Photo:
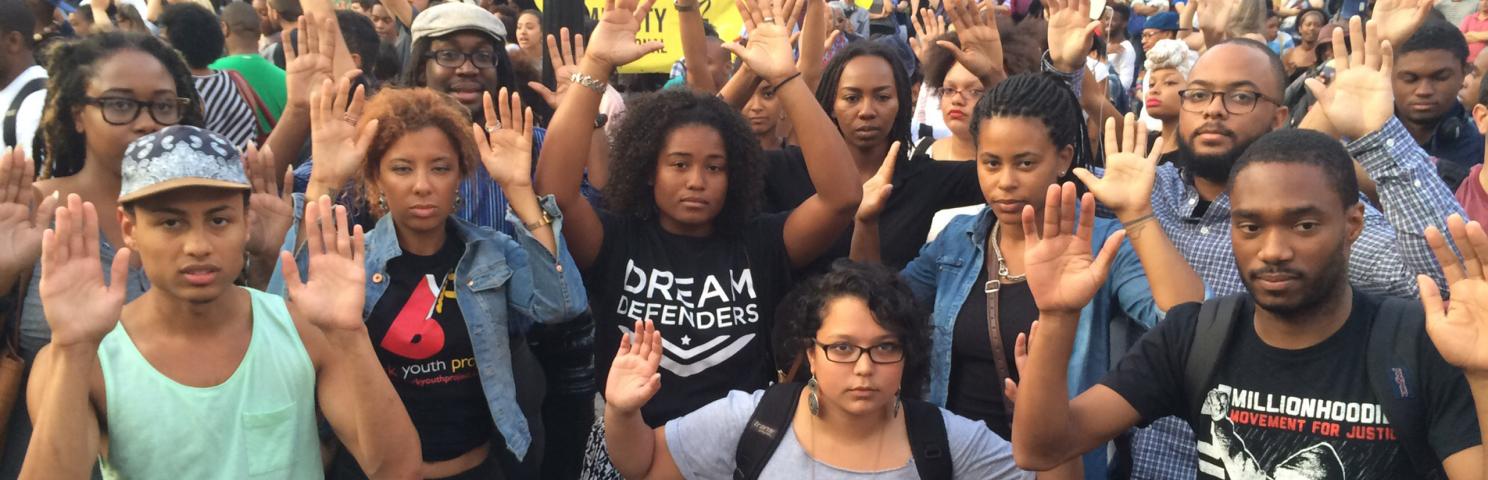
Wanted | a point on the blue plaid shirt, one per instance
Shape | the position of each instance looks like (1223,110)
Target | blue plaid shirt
(1384,260)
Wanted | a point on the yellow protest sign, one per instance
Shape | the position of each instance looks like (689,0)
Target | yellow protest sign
(661,24)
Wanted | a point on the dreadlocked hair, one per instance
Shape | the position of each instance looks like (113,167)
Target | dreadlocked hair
(642,135)
(826,94)
(1043,97)
(59,149)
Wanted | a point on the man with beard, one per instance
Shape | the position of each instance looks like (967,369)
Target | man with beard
(1285,395)
(1232,99)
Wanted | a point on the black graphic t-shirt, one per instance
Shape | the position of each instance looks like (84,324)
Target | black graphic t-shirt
(1308,413)
(423,344)
(922,186)
(712,300)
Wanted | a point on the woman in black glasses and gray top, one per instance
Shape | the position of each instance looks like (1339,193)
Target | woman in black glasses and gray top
(865,342)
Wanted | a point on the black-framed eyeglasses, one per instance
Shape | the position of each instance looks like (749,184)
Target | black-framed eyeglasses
(1237,102)
(882,353)
(972,94)
(455,59)
(123,111)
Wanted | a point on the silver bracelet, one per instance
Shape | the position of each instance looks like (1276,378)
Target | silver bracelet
(587,82)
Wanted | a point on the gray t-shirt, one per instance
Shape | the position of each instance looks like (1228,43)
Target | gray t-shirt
(703,444)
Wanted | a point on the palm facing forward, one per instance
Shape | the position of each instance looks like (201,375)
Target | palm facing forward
(633,378)
(1061,273)
(333,296)
(80,308)
(1460,331)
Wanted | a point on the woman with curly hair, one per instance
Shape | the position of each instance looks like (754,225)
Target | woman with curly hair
(448,302)
(864,338)
(680,239)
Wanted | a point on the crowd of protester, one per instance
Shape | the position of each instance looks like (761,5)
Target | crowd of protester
(1214,239)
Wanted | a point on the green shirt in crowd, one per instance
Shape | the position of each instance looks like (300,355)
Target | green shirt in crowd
(266,79)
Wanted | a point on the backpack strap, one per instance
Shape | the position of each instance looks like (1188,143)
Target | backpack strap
(923,147)
(15,108)
(1393,362)
(1217,319)
(767,426)
(927,439)
(265,118)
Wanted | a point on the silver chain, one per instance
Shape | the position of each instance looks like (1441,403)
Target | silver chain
(1002,270)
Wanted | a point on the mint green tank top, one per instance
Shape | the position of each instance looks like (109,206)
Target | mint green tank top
(260,423)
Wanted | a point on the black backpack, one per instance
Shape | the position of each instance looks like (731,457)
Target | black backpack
(1392,362)
(772,417)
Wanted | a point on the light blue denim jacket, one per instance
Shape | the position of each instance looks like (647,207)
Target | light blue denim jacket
(500,280)
(947,268)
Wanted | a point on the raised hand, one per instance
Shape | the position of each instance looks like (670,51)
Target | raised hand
(1130,171)
(633,376)
(769,52)
(1070,33)
(1020,358)
(565,63)
(271,205)
(309,62)
(928,26)
(1360,99)
(20,224)
(1460,331)
(1398,19)
(1061,273)
(338,145)
(506,145)
(981,44)
(877,189)
(81,309)
(613,42)
(1214,16)
(333,297)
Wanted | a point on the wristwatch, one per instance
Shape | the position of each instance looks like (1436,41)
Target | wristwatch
(541,222)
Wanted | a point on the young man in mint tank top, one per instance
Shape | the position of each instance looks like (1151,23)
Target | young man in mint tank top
(199,378)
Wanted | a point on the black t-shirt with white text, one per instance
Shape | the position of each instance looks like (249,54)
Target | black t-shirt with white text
(712,299)
(1308,413)
(424,346)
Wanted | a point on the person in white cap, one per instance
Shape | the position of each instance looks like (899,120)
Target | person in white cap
(199,378)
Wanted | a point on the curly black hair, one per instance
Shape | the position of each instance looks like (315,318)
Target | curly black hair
(194,31)
(826,93)
(642,135)
(59,148)
(888,297)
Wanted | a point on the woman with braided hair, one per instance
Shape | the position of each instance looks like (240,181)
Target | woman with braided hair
(1027,132)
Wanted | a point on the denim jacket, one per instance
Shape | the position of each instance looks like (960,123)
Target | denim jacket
(500,280)
(947,268)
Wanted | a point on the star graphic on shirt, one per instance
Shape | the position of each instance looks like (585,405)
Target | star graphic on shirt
(686,340)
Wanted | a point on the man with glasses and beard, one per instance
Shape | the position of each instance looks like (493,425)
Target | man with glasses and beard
(1231,100)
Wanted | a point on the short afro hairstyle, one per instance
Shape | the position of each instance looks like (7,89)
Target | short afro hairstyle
(1304,147)
(893,304)
(1436,34)
(194,31)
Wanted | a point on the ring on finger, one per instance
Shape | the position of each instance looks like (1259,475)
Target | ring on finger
(350,120)
(769,19)
(494,126)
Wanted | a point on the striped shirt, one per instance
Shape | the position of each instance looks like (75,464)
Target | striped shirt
(226,111)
